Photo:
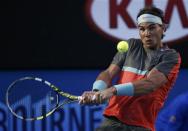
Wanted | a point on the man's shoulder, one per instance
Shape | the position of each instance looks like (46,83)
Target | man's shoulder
(134,43)
(168,50)
(170,53)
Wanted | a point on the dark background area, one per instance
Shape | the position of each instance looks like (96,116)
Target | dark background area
(54,35)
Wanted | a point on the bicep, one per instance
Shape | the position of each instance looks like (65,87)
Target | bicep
(156,77)
(113,70)
(108,74)
(153,80)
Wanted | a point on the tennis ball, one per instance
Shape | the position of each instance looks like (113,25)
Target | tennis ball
(122,46)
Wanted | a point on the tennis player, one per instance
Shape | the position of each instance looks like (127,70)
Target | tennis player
(147,71)
(175,116)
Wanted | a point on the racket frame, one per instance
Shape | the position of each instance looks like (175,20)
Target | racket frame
(70,98)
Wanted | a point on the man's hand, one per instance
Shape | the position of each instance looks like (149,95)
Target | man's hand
(87,97)
(102,96)
(99,97)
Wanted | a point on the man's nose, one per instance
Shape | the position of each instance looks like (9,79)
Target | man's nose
(147,32)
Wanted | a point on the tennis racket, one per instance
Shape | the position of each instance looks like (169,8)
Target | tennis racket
(32,98)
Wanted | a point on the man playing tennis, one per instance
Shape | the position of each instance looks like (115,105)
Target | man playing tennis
(147,71)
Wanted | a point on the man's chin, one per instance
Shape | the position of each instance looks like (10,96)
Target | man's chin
(149,46)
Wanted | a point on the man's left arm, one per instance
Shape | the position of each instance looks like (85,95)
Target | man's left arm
(154,80)
(165,71)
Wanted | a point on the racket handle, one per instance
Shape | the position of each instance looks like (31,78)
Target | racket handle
(93,97)
(79,98)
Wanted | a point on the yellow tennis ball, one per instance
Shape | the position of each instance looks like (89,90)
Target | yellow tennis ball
(122,46)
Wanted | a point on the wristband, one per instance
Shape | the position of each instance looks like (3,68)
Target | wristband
(126,89)
(99,85)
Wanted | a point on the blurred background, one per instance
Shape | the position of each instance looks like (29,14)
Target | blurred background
(68,43)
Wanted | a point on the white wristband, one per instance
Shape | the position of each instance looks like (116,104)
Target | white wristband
(99,85)
(126,89)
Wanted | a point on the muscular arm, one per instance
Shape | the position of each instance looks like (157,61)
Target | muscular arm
(154,80)
(108,75)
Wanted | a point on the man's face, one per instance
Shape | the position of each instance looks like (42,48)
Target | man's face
(150,35)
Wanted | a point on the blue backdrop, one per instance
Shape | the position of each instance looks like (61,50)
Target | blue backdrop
(74,117)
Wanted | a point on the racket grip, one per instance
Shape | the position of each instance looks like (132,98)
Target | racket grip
(79,98)
(93,97)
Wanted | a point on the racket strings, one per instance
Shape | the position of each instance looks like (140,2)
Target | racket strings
(35,98)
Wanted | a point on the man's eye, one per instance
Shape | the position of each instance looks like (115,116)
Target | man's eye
(141,29)
(152,28)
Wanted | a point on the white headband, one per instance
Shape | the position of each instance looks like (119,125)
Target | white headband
(149,18)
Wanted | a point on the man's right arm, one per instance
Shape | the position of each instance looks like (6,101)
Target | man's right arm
(108,74)
(106,77)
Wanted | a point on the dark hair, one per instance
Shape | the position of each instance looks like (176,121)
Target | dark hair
(152,10)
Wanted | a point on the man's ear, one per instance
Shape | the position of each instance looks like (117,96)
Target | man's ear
(164,26)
